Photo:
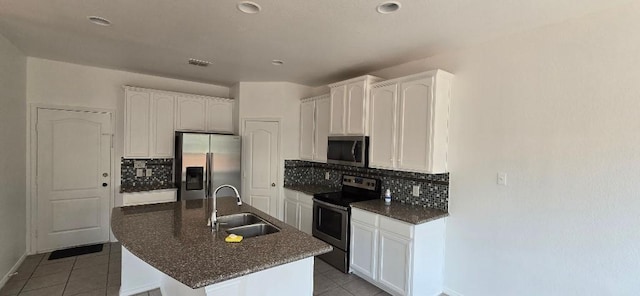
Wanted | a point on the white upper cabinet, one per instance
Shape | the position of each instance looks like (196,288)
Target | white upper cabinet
(350,106)
(153,116)
(307,122)
(409,125)
(356,108)
(204,114)
(162,129)
(137,121)
(314,128)
(338,107)
(322,129)
(382,134)
(220,115)
(191,113)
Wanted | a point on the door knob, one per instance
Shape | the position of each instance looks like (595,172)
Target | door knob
(273,184)
(105,175)
(105,184)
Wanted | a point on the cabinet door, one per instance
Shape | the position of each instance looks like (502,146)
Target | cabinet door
(137,120)
(322,130)
(291,212)
(162,126)
(364,243)
(191,113)
(220,115)
(415,119)
(356,112)
(305,217)
(394,261)
(382,134)
(307,113)
(338,107)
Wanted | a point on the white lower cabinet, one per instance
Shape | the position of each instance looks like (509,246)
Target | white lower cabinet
(400,258)
(298,210)
(364,244)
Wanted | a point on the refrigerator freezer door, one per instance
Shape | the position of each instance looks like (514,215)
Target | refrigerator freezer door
(195,171)
(225,163)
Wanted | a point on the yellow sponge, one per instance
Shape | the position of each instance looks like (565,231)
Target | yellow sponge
(232,238)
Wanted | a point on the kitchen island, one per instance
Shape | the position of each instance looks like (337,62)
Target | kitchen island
(170,246)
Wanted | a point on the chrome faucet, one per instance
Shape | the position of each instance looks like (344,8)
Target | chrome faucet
(213,222)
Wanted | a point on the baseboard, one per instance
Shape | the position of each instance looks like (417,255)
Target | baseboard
(13,269)
(140,289)
(451,292)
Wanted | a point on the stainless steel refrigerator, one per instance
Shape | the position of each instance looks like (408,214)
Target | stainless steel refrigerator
(204,162)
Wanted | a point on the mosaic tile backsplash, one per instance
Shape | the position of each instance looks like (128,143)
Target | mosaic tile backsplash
(161,177)
(434,188)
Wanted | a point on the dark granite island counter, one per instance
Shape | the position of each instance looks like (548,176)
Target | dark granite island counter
(170,246)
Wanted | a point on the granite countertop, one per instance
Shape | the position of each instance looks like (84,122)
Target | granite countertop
(142,188)
(174,238)
(313,188)
(401,211)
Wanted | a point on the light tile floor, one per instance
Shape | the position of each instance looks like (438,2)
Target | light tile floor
(328,281)
(98,274)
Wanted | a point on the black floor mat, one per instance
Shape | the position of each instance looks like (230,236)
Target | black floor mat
(70,252)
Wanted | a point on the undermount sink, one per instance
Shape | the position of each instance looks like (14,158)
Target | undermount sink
(253,230)
(246,224)
(241,219)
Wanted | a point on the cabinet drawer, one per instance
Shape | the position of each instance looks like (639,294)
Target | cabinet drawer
(149,197)
(290,194)
(397,227)
(305,199)
(364,216)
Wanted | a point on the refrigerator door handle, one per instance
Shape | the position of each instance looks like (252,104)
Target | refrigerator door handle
(207,186)
(210,176)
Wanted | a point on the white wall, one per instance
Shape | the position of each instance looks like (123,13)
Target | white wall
(59,83)
(275,100)
(12,156)
(558,109)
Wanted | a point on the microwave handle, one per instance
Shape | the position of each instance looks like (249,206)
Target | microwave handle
(353,150)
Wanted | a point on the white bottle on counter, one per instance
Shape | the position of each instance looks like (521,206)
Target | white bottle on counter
(387,197)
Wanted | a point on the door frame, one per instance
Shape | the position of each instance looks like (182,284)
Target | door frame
(280,177)
(32,161)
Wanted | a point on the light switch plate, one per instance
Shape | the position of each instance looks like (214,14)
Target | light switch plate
(326,176)
(139,172)
(416,190)
(502,179)
(149,172)
(139,164)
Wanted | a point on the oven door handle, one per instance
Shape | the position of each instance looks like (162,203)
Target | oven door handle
(326,204)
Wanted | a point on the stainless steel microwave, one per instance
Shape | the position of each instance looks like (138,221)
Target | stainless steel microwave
(348,150)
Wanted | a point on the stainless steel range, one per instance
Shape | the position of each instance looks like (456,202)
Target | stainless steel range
(331,216)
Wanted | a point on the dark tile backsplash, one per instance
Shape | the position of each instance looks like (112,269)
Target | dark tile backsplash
(434,188)
(162,173)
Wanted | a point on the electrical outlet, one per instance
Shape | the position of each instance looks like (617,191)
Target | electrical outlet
(139,172)
(326,176)
(139,164)
(416,190)
(502,179)
(149,173)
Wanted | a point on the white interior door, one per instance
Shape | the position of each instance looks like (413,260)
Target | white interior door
(260,170)
(73,178)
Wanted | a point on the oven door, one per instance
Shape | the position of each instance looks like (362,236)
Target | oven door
(331,224)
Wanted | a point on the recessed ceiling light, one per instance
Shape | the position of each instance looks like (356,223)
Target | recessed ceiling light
(199,63)
(277,62)
(249,7)
(388,7)
(100,21)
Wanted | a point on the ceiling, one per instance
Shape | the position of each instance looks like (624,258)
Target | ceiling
(320,41)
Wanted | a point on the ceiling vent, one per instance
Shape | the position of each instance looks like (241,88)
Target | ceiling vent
(199,63)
